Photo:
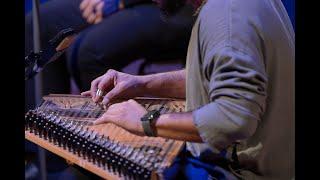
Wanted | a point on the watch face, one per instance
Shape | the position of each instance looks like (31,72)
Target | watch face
(150,116)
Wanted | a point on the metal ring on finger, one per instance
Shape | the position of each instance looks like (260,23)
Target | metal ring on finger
(99,93)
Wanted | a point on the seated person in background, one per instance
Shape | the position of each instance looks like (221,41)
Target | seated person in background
(118,32)
(239,88)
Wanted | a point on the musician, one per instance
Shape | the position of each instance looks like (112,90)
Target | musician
(239,88)
(117,32)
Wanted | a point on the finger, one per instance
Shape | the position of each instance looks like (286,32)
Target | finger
(91,18)
(114,93)
(99,12)
(97,20)
(99,8)
(94,87)
(84,4)
(104,85)
(89,9)
(86,93)
(104,119)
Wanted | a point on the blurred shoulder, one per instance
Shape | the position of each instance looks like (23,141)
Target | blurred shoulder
(243,8)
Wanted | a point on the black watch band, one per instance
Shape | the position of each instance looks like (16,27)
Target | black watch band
(148,122)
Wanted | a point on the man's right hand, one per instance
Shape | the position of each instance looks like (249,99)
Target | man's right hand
(116,84)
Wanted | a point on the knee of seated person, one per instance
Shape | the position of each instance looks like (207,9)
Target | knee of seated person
(88,58)
(80,56)
(86,66)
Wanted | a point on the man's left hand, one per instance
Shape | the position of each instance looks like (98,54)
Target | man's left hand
(127,115)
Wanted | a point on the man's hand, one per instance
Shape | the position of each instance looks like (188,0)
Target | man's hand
(94,10)
(126,115)
(116,84)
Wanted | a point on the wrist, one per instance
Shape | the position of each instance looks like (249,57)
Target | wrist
(145,84)
(148,122)
(160,122)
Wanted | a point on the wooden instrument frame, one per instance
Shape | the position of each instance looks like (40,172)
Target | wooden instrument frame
(84,163)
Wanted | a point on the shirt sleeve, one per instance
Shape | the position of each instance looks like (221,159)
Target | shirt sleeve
(237,92)
(233,64)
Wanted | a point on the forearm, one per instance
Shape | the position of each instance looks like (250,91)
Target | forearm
(177,126)
(169,84)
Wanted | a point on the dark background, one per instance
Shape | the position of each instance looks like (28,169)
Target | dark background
(302,14)
(289,4)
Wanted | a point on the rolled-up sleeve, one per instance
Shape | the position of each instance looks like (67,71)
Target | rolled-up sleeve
(237,85)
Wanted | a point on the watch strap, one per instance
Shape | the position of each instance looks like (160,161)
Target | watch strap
(148,129)
(148,122)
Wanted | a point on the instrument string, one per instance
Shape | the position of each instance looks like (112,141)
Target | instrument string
(150,152)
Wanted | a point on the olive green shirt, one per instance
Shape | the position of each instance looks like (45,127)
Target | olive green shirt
(240,84)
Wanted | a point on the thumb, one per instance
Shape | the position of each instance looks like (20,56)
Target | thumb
(103,119)
(86,93)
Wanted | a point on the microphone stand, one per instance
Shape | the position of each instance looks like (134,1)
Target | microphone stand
(38,79)
(38,59)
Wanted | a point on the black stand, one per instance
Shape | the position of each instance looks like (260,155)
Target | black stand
(38,79)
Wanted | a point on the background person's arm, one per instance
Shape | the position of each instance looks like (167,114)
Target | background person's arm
(95,10)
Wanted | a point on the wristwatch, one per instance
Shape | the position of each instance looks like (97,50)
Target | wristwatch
(148,122)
